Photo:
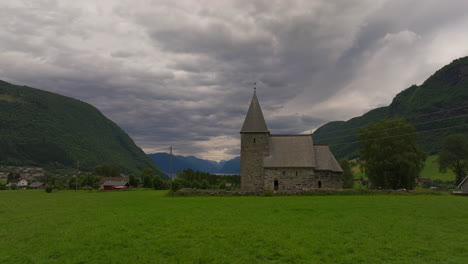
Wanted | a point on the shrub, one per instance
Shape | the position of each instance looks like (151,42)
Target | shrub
(49,188)
(13,186)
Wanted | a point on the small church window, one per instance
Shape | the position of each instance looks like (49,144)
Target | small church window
(276,184)
(319,185)
(284,173)
(254,140)
(296,173)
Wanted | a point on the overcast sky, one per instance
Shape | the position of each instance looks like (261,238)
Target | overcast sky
(181,72)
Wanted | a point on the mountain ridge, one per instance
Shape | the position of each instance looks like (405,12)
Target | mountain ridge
(42,128)
(443,96)
(162,160)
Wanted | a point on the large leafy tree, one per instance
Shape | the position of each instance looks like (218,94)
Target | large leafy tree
(392,158)
(348,179)
(454,156)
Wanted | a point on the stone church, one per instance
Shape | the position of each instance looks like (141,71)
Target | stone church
(283,162)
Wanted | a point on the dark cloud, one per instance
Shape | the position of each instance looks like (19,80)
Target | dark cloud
(181,72)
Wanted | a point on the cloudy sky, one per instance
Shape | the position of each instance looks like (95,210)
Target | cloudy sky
(181,72)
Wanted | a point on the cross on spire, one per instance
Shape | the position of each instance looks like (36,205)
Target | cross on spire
(254,121)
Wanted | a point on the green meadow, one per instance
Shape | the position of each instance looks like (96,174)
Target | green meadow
(430,170)
(146,226)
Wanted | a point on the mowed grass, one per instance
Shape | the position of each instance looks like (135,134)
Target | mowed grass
(148,227)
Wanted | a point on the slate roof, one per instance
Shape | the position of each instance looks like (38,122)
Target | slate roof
(36,184)
(325,160)
(114,183)
(254,121)
(104,179)
(290,151)
(298,151)
(462,182)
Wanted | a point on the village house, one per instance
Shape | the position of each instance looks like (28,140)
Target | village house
(283,162)
(116,179)
(115,185)
(464,185)
(18,182)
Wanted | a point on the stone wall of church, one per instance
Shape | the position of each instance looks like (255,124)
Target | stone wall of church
(254,146)
(329,179)
(286,179)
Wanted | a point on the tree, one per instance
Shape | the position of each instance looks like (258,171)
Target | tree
(348,179)
(392,159)
(205,184)
(12,176)
(49,188)
(89,180)
(178,183)
(73,183)
(133,180)
(158,183)
(147,176)
(454,156)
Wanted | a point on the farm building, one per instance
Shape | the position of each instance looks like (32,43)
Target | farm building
(18,182)
(104,179)
(283,162)
(464,185)
(37,185)
(115,185)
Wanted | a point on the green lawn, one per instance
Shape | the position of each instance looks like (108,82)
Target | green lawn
(148,227)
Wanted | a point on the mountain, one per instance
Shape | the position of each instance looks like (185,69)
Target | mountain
(182,162)
(231,166)
(436,108)
(45,129)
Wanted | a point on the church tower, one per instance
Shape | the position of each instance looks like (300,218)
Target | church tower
(254,147)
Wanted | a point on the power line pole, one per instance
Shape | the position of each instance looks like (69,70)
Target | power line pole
(170,166)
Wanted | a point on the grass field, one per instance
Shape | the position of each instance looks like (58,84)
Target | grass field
(431,170)
(148,227)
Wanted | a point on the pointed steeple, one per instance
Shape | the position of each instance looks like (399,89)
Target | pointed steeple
(254,121)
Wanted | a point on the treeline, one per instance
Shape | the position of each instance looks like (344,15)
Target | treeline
(185,179)
(202,180)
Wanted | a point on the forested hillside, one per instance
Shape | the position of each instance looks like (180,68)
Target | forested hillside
(45,129)
(436,108)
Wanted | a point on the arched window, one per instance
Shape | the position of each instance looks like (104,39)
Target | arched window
(254,140)
(296,173)
(276,184)
(319,185)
